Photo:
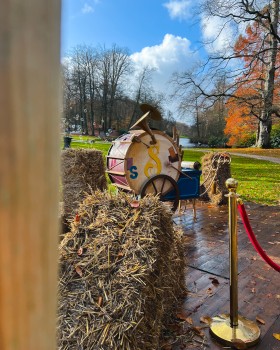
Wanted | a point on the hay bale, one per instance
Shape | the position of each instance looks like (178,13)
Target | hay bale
(121,272)
(215,172)
(82,171)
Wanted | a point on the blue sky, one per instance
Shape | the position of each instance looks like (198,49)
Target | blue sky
(163,34)
(133,24)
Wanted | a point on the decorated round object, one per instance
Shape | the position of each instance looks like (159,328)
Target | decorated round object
(132,159)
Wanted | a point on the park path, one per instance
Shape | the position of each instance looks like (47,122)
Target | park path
(269,159)
(266,158)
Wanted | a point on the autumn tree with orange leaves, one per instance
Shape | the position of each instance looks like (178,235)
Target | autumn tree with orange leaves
(249,66)
(240,125)
(249,99)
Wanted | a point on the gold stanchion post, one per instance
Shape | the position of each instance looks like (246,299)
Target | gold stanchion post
(233,329)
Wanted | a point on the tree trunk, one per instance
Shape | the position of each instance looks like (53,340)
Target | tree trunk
(263,140)
(197,120)
(264,133)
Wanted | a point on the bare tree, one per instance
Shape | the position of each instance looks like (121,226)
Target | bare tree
(91,64)
(98,86)
(79,77)
(114,65)
(68,96)
(143,88)
(208,113)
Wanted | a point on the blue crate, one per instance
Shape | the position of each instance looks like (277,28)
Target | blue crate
(188,185)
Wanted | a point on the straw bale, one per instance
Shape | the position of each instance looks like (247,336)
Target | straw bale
(215,171)
(121,272)
(82,171)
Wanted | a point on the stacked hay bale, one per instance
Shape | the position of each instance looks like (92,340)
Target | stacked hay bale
(121,272)
(82,171)
(215,172)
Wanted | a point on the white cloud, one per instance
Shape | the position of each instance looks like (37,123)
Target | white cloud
(66,60)
(172,55)
(218,35)
(87,8)
(178,9)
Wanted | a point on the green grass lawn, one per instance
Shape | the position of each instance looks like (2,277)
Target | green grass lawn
(83,137)
(259,181)
(88,142)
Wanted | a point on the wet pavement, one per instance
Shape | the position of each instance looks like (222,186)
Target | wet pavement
(207,274)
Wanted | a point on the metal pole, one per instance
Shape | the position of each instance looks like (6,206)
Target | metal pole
(232,328)
(233,250)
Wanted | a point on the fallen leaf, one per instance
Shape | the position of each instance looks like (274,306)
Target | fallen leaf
(261,278)
(175,327)
(184,318)
(239,344)
(276,336)
(214,280)
(206,319)
(271,242)
(253,290)
(181,317)
(79,271)
(198,331)
(260,320)
(77,218)
(80,251)
(254,258)
(277,296)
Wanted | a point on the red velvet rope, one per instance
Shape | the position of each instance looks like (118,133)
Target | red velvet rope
(253,239)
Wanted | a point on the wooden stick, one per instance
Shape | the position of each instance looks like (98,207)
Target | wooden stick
(29,172)
(172,166)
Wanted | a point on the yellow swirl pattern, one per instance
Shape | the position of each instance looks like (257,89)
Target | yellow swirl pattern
(153,167)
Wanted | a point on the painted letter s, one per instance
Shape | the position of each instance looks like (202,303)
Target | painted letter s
(133,172)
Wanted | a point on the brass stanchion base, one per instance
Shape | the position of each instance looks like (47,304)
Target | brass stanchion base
(246,332)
